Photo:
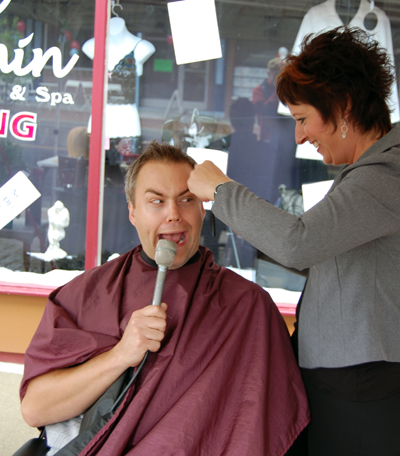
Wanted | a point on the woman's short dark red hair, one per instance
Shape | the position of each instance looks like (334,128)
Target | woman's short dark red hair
(338,70)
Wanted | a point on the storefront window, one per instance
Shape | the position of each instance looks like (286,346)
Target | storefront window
(45,105)
(227,104)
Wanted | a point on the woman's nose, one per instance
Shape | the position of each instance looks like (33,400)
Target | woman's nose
(299,134)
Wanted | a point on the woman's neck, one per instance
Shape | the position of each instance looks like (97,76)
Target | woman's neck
(364,142)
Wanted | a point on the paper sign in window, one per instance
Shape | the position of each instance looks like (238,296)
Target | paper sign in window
(218,157)
(314,193)
(194,30)
(15,196)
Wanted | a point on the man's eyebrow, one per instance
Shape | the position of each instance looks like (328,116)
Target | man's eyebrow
(155,192)
(184,191)
(151,190)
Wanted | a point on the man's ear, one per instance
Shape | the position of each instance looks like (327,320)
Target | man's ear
(203,211)
(131,210)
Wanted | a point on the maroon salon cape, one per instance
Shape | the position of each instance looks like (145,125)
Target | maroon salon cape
(225,381)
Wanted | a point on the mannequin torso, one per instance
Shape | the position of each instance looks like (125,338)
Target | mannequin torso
(122,120)
(121,43)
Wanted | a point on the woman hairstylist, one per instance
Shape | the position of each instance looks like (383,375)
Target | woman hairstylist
(349,321)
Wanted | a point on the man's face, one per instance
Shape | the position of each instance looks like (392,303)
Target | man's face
(165,209)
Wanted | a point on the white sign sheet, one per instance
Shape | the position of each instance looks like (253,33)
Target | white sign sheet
(194,30)
(313,193)
(218,157)
(15,196)
(307,151)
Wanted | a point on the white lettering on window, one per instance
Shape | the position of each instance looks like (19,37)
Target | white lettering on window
(37,63)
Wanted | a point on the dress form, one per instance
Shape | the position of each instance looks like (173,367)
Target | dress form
(122,119)
(121,43)
(347,9)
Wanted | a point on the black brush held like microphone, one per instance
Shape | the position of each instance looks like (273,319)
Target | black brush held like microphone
(165,255)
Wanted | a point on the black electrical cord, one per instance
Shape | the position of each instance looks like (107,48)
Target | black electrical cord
(116,403)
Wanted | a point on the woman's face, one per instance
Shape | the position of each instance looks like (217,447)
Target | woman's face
(311,127)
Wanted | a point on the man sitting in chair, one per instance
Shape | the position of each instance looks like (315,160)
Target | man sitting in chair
(220,378)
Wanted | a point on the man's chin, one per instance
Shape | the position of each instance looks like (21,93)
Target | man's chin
(180,260)
(177,264)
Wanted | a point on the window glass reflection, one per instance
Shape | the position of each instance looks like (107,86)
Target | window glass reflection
(228,104)
(45,98)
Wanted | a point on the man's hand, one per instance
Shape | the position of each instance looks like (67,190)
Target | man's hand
(64,393)
(144,331)
(204,178)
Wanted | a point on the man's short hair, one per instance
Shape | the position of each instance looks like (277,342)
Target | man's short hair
(157,152)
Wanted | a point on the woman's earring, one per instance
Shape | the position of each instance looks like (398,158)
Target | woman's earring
(344,129)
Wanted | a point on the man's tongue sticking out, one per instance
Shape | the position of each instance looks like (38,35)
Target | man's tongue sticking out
(175,237)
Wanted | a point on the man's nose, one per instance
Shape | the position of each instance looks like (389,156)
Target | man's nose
(173,212)
(299,135)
